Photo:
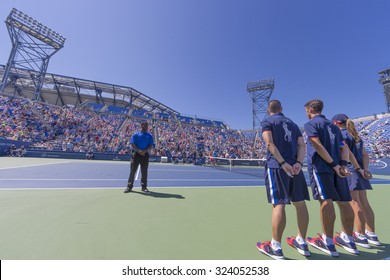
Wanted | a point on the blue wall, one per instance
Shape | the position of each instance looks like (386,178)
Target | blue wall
(5,144)
(380,166)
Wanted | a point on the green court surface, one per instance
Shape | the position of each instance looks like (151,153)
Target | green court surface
(171,223)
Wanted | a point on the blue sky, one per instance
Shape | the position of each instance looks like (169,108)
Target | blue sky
(196,56)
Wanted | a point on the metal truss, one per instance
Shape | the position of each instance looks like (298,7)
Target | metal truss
(384,79)
(33,44)
(260,92)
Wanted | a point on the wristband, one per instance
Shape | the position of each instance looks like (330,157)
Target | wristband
(299,162)
(332,164)
(283,162)
(343,162)
(357,169)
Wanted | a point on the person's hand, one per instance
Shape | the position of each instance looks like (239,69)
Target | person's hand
(367,174)
(342,171)
(142,152)
(297,167)
(337,170)
(288,169)
(361,171)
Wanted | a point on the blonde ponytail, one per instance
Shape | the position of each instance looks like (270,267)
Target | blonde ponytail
(351,129)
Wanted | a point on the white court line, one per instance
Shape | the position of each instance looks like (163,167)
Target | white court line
(207,171)
(136,175)
(94,179)
(121,188)
(41,164)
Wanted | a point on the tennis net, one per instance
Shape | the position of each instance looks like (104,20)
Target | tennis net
(252,167)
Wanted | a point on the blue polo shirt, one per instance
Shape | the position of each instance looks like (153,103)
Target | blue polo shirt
(285,134)
(356,148)
(142,140)
(330,137)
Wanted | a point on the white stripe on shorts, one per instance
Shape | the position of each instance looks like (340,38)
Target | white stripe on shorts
(271,187)
(319,185)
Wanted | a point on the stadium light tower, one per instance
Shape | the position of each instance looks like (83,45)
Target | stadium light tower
(384,79)
(260,92)
(32,46)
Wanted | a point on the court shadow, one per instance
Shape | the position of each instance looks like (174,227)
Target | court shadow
(380,253)
(383,252)
(160,195)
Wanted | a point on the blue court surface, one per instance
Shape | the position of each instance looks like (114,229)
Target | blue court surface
(58,209)
(103,174)
(56,173)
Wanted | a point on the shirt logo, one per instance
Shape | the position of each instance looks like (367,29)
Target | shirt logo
(287,133)
(332,136)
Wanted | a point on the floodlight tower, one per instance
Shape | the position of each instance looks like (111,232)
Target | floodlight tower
(384,79)
(32,46)
(260,92)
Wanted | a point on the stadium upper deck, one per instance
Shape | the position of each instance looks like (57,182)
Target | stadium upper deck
(76,92)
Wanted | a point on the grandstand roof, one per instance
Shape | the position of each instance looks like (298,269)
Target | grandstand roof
(59,85)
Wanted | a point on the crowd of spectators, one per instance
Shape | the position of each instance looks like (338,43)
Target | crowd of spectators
(377,138)
(50,127)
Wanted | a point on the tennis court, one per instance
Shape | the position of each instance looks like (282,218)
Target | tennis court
(73,209)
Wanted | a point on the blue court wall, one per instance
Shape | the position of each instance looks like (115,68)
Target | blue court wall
(380,166)
(6,143)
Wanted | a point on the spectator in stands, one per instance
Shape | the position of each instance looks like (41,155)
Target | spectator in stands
(284,179)
(358,183)
(21,152)
(327,159)
(12,151)
(89,155)
(142,142)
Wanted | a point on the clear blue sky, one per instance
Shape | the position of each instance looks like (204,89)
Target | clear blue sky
(196,56)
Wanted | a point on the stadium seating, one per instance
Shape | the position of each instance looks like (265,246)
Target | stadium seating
(116,110)
(185,119)
(94,106)
(51,127)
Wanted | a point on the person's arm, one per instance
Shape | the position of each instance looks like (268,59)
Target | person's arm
(366,162)
(353,160)
(323,153)
(297,166)
(267,136)
(147,150)
(135,148)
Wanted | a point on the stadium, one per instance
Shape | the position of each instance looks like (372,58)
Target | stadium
(206,179)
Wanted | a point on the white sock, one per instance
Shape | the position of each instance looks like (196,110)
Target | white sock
(327,240)
(275,244)
(359,235)
(346,237)
(370,233)
(300,240)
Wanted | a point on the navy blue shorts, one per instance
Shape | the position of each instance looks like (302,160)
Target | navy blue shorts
(329,186)
(282,189)
(357,183)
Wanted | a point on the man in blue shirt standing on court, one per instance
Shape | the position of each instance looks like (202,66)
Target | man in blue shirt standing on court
(327,156)
(284,179)
(141,142)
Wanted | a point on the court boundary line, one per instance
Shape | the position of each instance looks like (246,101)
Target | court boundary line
(34,165)
(134,190)
(96,179)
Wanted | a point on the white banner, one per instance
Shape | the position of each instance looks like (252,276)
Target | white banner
(199,269)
